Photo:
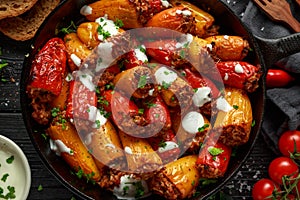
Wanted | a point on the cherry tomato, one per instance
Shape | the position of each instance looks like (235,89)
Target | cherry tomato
(289,142)
(278,78)
(280,167)
(264,189)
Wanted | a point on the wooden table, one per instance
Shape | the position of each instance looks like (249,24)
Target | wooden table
(12,126)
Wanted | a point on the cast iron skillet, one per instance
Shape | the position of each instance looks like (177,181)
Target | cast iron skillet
(265,53)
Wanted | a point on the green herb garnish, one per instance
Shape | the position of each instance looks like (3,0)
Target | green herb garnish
(10,159)
(201,129)
(142,82)
(40,188)
(4,177)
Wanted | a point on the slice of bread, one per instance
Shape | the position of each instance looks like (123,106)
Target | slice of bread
(24,27)
(14,8)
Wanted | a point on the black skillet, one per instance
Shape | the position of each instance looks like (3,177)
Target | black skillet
(265,52)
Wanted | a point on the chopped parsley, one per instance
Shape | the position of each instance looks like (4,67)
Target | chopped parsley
(80,173)
(162,144)
(54,112)
(141,111)
(142,48)
(206,181)
(235,107)
(4,177)
(214,152)
(104,33)
(70,29)
(182,54)
(139,189)
(10,194)
(125,190)
(119,23)
(150,104)
(166,85)
(40,188)
(201,129)
(142,82)
(2,65)
(253,123)
(10,159)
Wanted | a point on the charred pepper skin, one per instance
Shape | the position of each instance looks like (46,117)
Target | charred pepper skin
(49,67)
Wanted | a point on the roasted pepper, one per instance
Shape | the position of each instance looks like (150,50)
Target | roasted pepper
(80,100)
(198,80)
(48,67)
(239,74)
(227,47)
(166,146)
(178,18)
(125,112)
(157,114)
(213,160)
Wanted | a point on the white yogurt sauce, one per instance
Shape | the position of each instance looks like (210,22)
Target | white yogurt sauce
(238,68)
(128,188)
(100,120)
(86,79)
(226,77)
(184,12)
(86,10)
(201,96)
(169,146)
(128,150)
(165,75)
(92,111)
(185,41)
(107,26)
(140,55)
(210,47)
(105,55)
(223,105)
(69,77)
(16,174)
(76,60)
(192,121)
(59,147)
(88,138)
(165,3)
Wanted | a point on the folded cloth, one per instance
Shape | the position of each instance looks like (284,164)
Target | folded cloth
(282,111)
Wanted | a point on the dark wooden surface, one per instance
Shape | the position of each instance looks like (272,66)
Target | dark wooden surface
(12,126)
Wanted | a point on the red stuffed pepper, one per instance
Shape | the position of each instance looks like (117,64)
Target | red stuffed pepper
(81,101)
(213,159)
(239,74)
(166,146)
(48,67)
(157,113)
(125,113)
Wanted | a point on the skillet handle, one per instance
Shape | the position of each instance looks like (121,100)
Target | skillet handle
(274,49)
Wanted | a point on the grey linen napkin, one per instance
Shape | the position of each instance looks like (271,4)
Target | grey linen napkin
(282,111)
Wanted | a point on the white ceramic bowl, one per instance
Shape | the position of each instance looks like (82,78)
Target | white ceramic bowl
(16,174)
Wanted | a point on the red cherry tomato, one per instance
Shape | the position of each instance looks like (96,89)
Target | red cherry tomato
(280,167)
(278,78)
(264,189)
(289,142)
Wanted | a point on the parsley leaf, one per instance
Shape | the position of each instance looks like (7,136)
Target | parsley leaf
(40,187)
(201,129)
(215,151)
(10,159)
(142,82)
(119,23)
(4,177)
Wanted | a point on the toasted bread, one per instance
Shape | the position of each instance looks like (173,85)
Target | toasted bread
(24,27)
(15,7)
